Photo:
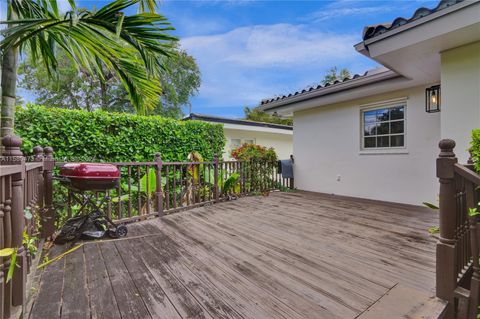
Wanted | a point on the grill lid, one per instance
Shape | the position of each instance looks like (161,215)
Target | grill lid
(90,171)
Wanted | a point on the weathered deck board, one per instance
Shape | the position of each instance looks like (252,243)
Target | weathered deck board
(288,255)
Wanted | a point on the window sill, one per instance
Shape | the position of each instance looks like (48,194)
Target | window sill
(383,152)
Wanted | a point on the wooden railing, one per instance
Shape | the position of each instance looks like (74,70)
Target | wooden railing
(157,188)
(22,192)
(458,276)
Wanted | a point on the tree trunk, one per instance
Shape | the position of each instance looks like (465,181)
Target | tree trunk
(103,92)
(9,86)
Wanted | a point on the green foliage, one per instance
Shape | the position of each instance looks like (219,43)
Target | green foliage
(257,115)
(475,148)
(133,46)
(12,253)
(110,137)
(231,184)
(78,89)
(335,75)
(29,243)
(430,205)
(472,212)
(260,163)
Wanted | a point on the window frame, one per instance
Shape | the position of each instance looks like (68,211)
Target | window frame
(378,106)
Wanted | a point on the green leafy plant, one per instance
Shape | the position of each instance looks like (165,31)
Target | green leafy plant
(472,212)
(433,229)
(29,243)
(260,162)
(12,254)
(475,149)
(231,185)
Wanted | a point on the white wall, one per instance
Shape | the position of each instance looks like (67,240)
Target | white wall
(282,143)
(460,95)
(327,145)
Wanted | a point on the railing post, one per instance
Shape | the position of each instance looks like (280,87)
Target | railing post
(14,156)
(48,213)
(446,245)
(38,157)
(158,181)
(215,179)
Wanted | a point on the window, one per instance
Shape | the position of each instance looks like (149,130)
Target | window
(235,142)
(249,141)
(383,127)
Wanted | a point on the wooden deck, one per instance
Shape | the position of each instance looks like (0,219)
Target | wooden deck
(288,255)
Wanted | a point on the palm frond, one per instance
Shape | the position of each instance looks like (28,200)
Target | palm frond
(134,46)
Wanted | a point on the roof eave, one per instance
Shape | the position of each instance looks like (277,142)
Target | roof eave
(415,23)
(387,75)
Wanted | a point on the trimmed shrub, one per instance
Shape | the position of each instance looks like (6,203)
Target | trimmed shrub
(115,137)
(247,152)
(260,163)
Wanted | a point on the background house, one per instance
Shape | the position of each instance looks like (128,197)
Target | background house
(371,135)
(237,132)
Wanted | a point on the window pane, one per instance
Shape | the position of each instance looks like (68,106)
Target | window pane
(397,113)
(382,128)
(369,117)
(370,142)
(235,142)
(370,129)
(396,127)
(397,141)
(249,141)
(382,115)
(383,141)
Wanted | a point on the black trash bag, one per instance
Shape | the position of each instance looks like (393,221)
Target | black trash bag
(88,226)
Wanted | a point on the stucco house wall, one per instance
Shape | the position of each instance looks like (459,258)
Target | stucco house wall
(282,143)
(460,73)
(329,158)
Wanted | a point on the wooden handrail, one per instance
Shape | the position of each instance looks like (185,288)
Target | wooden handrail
(10,170)
(33,165)
(467,173)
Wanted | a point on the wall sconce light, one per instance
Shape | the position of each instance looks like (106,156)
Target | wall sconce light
(432,99)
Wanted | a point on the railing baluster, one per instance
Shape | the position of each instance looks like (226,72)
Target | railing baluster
(167,186)
(139,191)
(129,181)
(174,191)
(158,184)
(3,186)
(119,194)
(147,187)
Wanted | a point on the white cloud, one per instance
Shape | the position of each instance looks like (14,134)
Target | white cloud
(247,64)
(281,45)
(342,12)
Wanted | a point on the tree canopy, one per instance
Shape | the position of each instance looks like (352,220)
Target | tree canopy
(256,114)
(74,88)
(333,75)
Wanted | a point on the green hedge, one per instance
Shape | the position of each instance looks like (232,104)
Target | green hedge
(81,135)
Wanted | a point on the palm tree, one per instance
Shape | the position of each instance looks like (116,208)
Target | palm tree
(133,46)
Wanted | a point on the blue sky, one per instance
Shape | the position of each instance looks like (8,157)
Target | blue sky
(250,50)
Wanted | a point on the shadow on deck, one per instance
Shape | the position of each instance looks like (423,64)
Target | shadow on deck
(288,255)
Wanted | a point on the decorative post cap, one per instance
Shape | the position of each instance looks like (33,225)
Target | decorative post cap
(12,144)
(158,157)
(38,152)
(48,152)
(446,148)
